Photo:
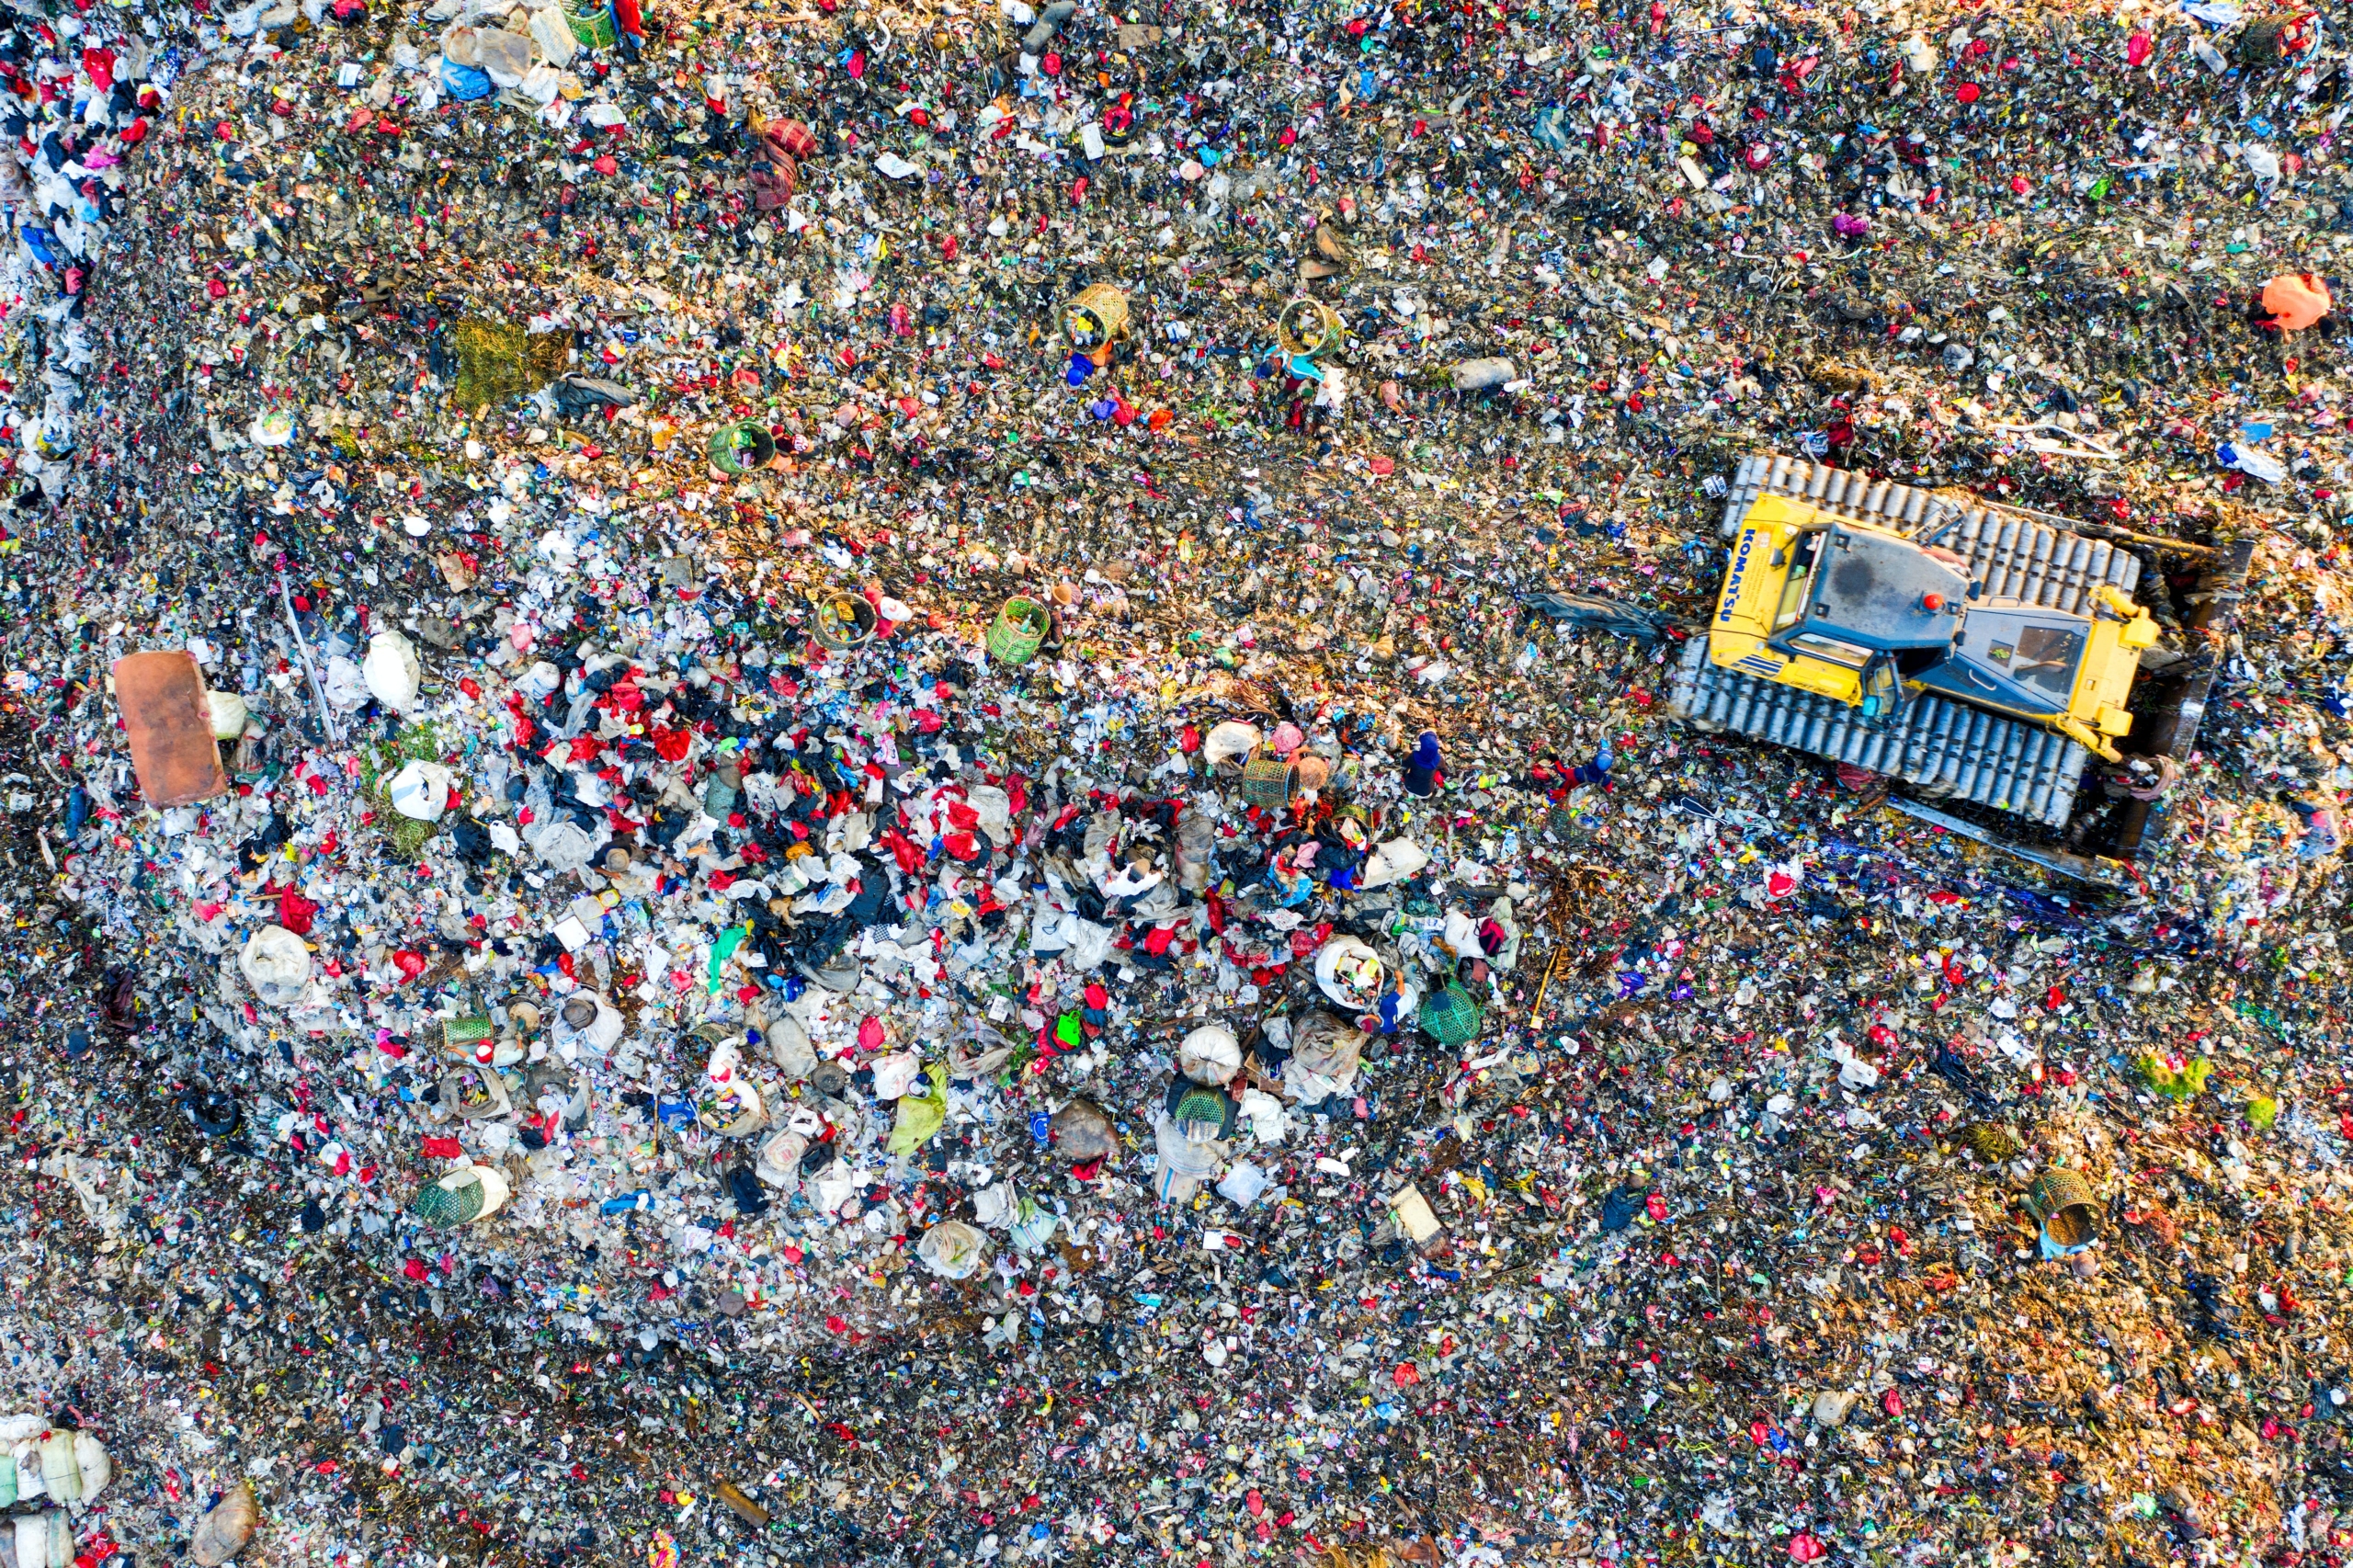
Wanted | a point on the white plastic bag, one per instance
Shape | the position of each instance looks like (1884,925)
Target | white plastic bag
(506,58)
(565,846)
(229,714)
(994,808)
(495,1188)
(391,671)
(96,1464)
(60,1468)
(789,1047)
(541,678)
(1090,945)
(44,1541)
(1349,973)
(421,791)
(277,965)
(1232,741)
(1243,1185)
(1854,1073)
(601,1033)
(953,1250)
(1052,929)
(1392,861)
(346,689)
(895,1073)
(1034,1225)
(1209,1055)
(1183,1164)
(779,1162)
(834,1186)
(1269,1124)
(2253,462)
(553,35)
(24,1456)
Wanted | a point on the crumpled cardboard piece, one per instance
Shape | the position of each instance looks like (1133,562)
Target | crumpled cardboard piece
(160,697)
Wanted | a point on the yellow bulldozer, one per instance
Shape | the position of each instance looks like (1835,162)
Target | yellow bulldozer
(1975,655)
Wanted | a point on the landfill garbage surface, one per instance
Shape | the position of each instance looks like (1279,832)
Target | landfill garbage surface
(949,830)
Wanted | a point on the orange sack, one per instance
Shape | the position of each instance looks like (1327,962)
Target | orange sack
(2295,299)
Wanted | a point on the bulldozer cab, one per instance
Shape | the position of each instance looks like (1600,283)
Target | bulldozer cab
(2025,659)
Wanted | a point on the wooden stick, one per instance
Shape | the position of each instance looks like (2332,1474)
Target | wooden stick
(1536,1014)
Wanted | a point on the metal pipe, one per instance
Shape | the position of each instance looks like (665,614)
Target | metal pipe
(318,692)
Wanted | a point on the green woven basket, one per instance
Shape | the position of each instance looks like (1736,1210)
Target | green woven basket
(591,22)
(1017,630)
(1452,1017)
(1268,782)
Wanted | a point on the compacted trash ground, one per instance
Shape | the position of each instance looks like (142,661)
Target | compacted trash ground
(787,784)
